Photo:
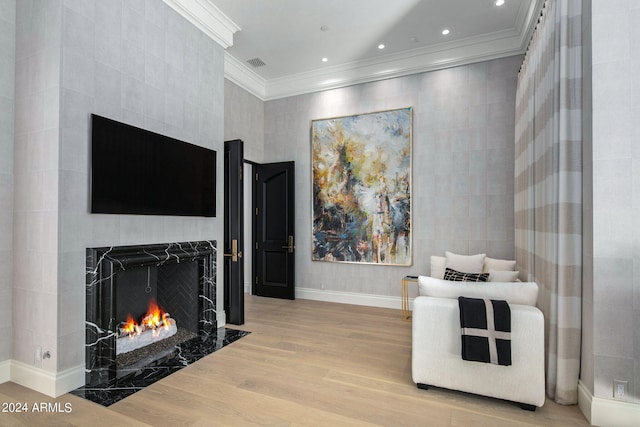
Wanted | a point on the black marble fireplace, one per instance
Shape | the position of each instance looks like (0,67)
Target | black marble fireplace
(180,277)
(123,279)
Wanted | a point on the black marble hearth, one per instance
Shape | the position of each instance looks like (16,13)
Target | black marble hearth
(133,380)
(181,275)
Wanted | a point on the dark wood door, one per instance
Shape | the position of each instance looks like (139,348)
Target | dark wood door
(274,230)
(233,232)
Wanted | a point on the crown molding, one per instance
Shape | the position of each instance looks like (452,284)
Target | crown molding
(529,21)
(240,74)
(397,65)
(207,18)
(467,51)
(493,46)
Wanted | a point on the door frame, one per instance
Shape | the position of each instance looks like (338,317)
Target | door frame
(254,243)
(233,262)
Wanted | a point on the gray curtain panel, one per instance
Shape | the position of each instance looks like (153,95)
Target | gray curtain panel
(548,186)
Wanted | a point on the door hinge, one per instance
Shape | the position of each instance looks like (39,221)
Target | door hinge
(256,211)
(256,245)
(256,280)
(256,176)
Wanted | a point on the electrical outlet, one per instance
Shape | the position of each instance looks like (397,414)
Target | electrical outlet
(620,389)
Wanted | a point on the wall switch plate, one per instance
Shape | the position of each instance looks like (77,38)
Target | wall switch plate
(620,389)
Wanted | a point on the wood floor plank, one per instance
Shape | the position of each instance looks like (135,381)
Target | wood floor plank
(306,363)
(83,412)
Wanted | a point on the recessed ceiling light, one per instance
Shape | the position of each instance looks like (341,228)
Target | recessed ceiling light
(499,2)
(380,46)
(445,31)
(325,59)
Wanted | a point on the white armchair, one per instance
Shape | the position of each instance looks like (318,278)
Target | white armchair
(436,342)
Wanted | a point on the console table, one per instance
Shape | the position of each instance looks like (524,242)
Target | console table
(406,313)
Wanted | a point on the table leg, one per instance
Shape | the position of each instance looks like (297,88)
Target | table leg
(406,315)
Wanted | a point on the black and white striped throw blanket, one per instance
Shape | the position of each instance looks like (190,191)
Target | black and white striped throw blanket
(486,330)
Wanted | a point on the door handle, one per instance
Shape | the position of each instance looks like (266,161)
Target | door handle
(234,251)
(290,246)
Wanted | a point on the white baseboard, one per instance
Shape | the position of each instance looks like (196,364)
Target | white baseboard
(5,371)
(371,300)
(247,288)
(607,412)
(52,384)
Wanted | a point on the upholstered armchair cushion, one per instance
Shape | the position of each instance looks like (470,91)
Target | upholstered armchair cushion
(503,276)
(436,352)
(523,293)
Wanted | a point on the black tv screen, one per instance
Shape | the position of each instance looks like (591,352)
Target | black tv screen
(135,171)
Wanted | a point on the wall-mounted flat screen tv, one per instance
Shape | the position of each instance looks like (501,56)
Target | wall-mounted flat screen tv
(135,171)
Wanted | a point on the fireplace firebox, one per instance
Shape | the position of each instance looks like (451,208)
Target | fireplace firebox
(177,279)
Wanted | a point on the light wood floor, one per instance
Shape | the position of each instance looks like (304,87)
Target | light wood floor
(305,363)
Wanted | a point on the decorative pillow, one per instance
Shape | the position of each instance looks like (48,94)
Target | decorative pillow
(498,265)
(503,276)
(458,276)
(466,263)
(438,264)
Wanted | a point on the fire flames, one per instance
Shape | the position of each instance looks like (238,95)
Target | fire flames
(155,318)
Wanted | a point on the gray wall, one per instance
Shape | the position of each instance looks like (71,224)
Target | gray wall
(134,61)
(613,302)
(36,180)
(463,130)
(586,359)
(244,119)
(7,93)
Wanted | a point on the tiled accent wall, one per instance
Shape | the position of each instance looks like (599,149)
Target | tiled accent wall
(244,119)
(138,62)
(7,94)
(36,147)
(615,295)
(463,160)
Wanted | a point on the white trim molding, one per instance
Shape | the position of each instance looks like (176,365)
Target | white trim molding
(462,52)
(52,384)
(607,412)
(5,371)
(390,66)
(207,18)
(238,73)
(370,300)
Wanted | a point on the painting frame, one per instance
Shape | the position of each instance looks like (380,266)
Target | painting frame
(361,188)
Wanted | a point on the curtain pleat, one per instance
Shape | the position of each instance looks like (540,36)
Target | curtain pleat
(548,186)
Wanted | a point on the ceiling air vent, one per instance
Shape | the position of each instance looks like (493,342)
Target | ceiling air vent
(256,62)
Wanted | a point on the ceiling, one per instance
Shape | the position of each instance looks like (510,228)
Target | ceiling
(292,36)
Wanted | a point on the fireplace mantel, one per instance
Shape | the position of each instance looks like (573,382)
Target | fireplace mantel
(104,264)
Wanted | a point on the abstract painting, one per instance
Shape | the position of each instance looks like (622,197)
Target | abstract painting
(361,176)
